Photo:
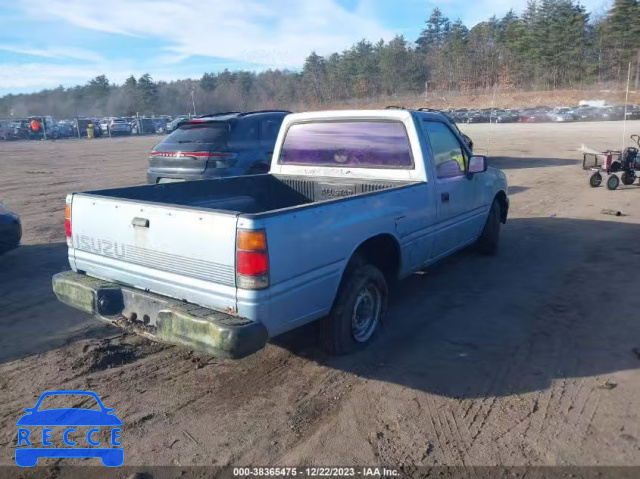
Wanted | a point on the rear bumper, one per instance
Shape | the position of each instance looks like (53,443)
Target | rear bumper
(154,176)
(161,318)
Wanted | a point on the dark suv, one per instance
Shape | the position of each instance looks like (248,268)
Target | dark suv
(218,145)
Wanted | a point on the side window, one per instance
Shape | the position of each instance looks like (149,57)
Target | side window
(450,158)
(269,128)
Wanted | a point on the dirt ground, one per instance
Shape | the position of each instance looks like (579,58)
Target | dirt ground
(522,359)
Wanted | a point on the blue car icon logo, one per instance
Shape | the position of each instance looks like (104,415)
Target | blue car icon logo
(28,450)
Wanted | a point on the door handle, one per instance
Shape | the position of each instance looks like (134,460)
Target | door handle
(140,222)
(444,197)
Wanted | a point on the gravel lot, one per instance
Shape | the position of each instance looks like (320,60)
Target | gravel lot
(483,361)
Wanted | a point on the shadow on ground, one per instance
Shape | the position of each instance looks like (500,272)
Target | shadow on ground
(517,189)
(32,320)
(475,326)
(513,163)
(469,327)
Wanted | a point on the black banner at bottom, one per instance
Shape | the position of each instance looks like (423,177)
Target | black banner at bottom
(223,472)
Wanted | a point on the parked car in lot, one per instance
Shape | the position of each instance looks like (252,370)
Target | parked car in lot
(10,229)
(227,144)
(613,113)
(8,131)
(20,129)
(459,115)
(504,117)
(478,117)
(633,112)
(174,123)
(66,129)
(589,113)
(147,126)
(119,126)
(531,116)
(41,127)
(160,125)
(353,201)
(561,115)
(83,126)
(104,125)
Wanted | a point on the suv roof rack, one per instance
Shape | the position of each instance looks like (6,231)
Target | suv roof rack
(395,107)
(263,111)
(220,113)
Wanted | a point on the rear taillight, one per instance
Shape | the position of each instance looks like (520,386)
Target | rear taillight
(67,219)
(252,259)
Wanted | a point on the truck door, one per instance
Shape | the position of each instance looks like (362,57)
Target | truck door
(455,192)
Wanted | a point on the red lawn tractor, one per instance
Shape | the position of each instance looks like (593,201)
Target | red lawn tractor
(611,162)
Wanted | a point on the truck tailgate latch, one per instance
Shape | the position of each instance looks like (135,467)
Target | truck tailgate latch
(140,222)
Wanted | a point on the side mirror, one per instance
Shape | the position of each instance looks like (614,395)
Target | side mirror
(477,164)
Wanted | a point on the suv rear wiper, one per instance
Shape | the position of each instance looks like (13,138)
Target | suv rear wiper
(189,141)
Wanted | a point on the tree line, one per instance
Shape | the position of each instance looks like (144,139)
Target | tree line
(552,44)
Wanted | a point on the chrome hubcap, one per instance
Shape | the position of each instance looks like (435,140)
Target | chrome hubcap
(366,313)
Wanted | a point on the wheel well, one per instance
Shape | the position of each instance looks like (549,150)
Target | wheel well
(383,252)
(504,206)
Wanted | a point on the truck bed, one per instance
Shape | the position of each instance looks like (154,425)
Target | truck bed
(250,195)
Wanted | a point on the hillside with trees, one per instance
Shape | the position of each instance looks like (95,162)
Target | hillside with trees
(552,44)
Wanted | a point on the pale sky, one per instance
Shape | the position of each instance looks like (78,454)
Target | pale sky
(46,43)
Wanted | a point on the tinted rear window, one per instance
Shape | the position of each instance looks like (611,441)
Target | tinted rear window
(364,144)
(209,133)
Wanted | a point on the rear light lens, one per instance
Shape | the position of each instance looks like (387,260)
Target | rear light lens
(223,160)
(252,240)
(252,260)
(252,263)
(67,220)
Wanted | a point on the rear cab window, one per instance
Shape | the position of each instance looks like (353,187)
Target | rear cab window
(350,143)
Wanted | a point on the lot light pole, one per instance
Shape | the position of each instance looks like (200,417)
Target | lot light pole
(193,102)
(626,103)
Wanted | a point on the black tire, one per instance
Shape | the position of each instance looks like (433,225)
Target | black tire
(627,178)
(613,182)
(339,331)
(490,236)
(595,180)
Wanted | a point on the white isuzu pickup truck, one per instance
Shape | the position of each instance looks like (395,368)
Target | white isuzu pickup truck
(353,201)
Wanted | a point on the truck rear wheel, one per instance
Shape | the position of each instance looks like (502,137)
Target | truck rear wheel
(357,311)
